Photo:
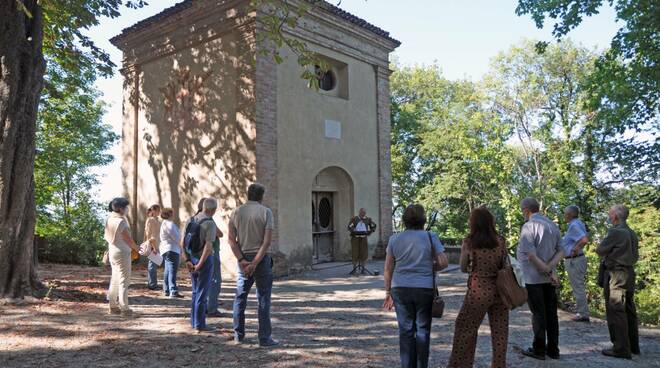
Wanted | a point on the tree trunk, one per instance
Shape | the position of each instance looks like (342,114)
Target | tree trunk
(21,77)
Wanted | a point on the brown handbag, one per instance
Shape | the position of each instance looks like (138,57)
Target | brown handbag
(512,294)
(438,307)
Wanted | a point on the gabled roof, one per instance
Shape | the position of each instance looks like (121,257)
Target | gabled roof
(177,8)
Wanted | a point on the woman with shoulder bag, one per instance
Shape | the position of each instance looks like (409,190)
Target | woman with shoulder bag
(409,282)
(482,255)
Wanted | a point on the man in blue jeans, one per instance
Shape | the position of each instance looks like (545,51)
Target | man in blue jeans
(216,280)
(201,266)
(250,233)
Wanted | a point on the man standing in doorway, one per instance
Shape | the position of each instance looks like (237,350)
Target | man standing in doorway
(539,252)
(619,249)
(360,228)
(250,233)
(575,262)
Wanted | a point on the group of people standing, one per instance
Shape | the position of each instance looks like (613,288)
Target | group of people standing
(250,233)
(412,259)
(409,283)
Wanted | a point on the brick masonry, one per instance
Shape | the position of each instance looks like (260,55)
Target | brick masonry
(266,131)
(384,159)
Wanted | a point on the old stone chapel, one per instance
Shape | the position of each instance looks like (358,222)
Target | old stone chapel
(206,114)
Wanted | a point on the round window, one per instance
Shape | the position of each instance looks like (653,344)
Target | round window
(327,79)
(325,212)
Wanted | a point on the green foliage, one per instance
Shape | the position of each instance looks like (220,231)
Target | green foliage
(624,88)
(274,17)
(65,41)
(71,140)
(76,238)
(527,129)
(646,223)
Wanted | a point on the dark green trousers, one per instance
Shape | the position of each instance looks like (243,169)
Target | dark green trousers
(620,310)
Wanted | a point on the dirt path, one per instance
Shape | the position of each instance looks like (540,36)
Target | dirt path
(323,319)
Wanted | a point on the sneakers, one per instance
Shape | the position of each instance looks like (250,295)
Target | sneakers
(268,343)
(127,313)
(175,295)
(611,353)
(205,329)
(114,310)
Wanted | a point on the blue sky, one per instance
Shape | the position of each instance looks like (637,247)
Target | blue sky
(461,36)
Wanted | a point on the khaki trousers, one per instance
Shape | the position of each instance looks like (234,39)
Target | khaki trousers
(360,250)
(620,310)
(577,272)
(120,263)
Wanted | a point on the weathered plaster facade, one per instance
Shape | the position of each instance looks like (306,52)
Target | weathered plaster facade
(205,115)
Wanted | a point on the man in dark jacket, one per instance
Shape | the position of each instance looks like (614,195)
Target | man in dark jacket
(619,250)
(360,228)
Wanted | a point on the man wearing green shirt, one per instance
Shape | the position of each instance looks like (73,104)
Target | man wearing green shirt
(619,251)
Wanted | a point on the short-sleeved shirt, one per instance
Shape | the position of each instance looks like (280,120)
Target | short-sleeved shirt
(170,236)
(249,222)
(541,237)
(413,258)
(207,229)
(576,231)
(114,227)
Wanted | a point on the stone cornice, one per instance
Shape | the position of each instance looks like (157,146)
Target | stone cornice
(189,16)
(143,54)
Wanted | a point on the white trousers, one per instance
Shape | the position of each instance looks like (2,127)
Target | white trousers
(120,263)
(577,272)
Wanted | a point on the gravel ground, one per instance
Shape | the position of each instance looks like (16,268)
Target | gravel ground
(323,318)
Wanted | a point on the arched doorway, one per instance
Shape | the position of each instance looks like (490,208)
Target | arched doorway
(332,207)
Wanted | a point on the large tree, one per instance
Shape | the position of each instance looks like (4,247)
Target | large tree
(624,88)
(21,78)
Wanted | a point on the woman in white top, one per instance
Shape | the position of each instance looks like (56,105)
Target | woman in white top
(171,251)
(120,243)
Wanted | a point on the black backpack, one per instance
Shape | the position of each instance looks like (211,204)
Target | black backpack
(193,243)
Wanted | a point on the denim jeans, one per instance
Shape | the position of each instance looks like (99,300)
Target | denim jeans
(216,283)
(263,277)
(171,262)
(413,313)
(152,276)
(200,290)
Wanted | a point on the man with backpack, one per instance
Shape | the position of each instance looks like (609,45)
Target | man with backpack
(250,232)
(199,236)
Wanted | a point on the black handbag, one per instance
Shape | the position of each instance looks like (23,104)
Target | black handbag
(438,307)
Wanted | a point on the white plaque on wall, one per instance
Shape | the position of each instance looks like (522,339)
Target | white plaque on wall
(332,129)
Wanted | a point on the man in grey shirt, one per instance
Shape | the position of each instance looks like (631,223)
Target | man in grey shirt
(250,233)
(539,252)
(201,265)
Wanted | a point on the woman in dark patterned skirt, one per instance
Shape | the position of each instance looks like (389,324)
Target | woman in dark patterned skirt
(482,254)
